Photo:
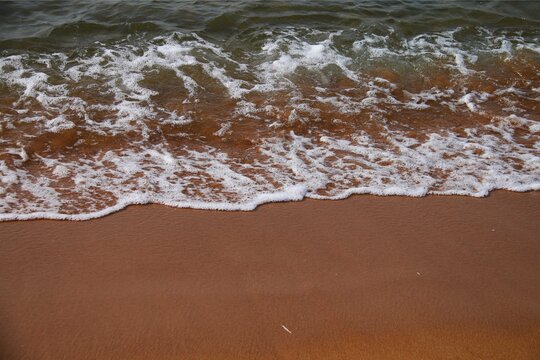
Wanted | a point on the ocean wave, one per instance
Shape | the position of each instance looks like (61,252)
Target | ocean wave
(187,120)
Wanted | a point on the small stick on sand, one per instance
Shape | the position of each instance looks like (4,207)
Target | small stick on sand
(285,328)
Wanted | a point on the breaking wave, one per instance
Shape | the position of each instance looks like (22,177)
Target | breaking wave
(186,120)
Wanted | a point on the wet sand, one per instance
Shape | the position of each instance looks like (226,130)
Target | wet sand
(363,278)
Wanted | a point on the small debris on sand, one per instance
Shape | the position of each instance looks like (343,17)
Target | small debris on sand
(285,328)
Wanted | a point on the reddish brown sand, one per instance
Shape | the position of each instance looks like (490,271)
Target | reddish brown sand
(363,278)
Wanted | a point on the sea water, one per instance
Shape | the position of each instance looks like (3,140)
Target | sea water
(229,104)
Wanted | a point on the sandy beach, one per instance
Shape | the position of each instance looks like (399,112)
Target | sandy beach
(268,179)
(363,278)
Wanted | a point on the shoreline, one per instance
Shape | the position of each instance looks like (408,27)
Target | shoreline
(294,194)
(366,277)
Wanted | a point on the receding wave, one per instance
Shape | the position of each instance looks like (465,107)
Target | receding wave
(277,114)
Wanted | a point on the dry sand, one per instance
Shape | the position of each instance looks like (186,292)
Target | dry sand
(363,278)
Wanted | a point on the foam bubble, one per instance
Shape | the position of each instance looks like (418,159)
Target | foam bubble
(183,121)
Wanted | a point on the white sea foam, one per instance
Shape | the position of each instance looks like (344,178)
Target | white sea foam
(302,166)
(316,73)
(119,71)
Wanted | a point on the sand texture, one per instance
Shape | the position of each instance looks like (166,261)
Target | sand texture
(363,278)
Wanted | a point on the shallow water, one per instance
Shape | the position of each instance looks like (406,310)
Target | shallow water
(228,105)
